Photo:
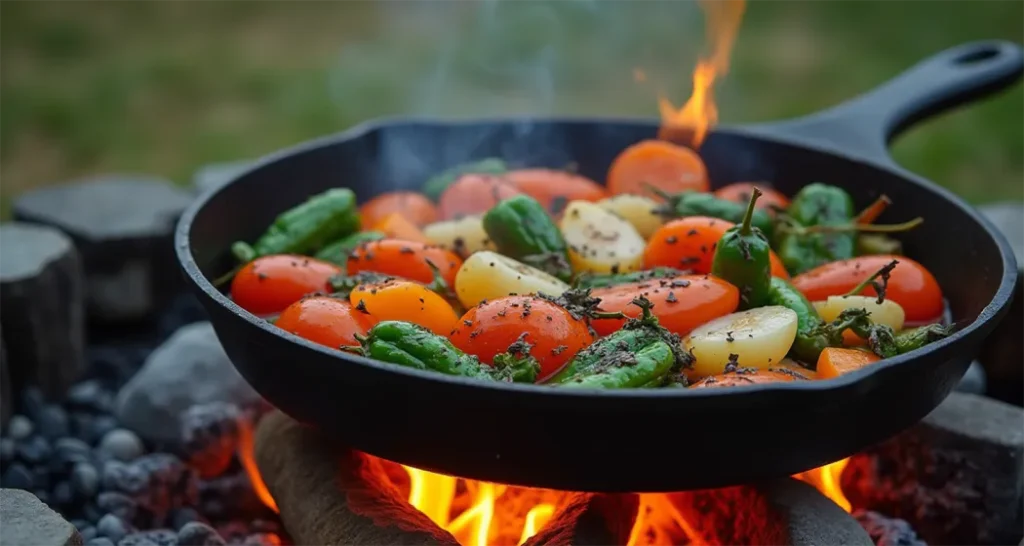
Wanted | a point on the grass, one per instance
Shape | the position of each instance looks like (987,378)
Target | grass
(164,87)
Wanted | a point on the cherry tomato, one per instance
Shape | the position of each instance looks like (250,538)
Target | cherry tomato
(325,320)
(397,299)
(494,325)
(474,194)
(406,259)
(268,284)
(664,165)
(910,284)
(689,243)
(740,193)
(681,303)
(744,379)
(413,206)
(554,189)
(396,226)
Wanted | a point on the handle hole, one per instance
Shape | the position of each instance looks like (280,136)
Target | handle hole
(981,54)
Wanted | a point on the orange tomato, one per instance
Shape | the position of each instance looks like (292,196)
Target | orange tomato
(396,226)
(491,327)
(681,303)
(325,320)
(835,361)
(657,163)
(740,193)
(474,194)
(755,377)
(396,299)
(554,189)
(414,206)
(910,284)
(690,243)
(406,259)
(268,284)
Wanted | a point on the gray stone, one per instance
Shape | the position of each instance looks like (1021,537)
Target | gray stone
(42,303)
(1009,218)
(113,527)
(6,404)
(20,427)
(27,521)
(190,368)
(123,226)
(85,480)
(211,177)
(957,476)
(121,444)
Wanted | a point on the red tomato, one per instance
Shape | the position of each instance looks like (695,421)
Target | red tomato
(268,284)
(689,243)
(491,327)
(325,320)
(680,303)
(740,192)
(413,206)
(406,259)
(474,194)
(910,284)
(554,189)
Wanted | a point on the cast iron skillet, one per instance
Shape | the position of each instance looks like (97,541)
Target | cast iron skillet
(631,440)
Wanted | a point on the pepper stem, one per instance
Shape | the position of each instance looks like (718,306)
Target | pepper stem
(879,287)
(748,216)
(874,210)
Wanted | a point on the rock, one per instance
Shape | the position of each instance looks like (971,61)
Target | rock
(6,403)
(121,444)
(100,541)
(973,382)
(53,422)
(589,518)
(887,531)
(158,483)
(35,450)
(123,227)
(26,520)
(199,534)
(118,504)
(211,177)
(86,395)
(190,368)
(7,452)
(155,537)
(20,428)
(85,480)
(210,435)
(18,476)
(113,527)
(63,494)
(42,302)
(183,516)
(956,477)
(68,452)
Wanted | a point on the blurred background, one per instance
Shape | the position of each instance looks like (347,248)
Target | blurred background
(166,87)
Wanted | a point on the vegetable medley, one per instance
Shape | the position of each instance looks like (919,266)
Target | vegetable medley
(545,276)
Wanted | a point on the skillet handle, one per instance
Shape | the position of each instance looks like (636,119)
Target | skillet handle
(864,125)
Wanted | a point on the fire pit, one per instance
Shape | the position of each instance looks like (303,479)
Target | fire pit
(159,441)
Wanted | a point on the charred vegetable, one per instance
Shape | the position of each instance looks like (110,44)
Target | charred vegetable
(742,257)
(627,370)
(521,229)
(811,337)
(306,228)
(817,205)
(338,251)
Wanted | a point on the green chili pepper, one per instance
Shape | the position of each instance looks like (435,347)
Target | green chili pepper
(588,280)
(413,346)
(883,341)
(435,186)
(811,335)
(817,205)
(306,228)
(521,229)
(629,370)
(692,203)
(742,257)
(338,251)
(636,334)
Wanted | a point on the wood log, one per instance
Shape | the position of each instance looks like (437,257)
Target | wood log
(42,302)
(329,494)
(590,519)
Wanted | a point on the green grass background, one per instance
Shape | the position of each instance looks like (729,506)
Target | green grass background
(164,87)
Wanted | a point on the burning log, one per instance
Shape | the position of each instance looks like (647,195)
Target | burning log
(329,494)
(590,519)
(956,476)
(784,511)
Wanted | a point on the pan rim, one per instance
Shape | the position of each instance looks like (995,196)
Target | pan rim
(795,391)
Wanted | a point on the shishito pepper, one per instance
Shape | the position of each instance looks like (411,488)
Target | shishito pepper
(521,229)
(588,280)
(811,335)
(413,346)
(817,205)
(612,350)
(692,203)
(304,229)
(742,257)
(435,186)
(882,340)
(338,251)
(629,370)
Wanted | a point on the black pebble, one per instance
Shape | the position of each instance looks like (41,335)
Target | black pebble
(19,427)
(17,476)
(85,395)
(62,494)
(69,451)
(34,450)
(6,452)
(52,422)
(199,534)
(160,537)
(88,533)
(100,427)
(85,480)
(92,512)
(100,541)
(183,516)
(118,504)
(112,527)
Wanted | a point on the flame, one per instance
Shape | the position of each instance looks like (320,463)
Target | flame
(245,453)
(827,480)
(722,19)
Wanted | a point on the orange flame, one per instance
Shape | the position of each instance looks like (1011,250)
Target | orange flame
(700,113)
(827,480)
